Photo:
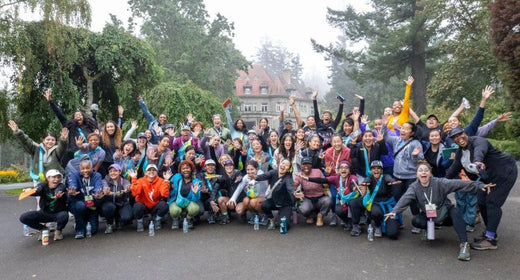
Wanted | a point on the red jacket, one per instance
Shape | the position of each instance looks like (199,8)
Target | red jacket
(332,157)
(150,193)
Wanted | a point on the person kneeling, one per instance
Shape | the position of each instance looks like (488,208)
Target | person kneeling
(185,193)
(150,194)
(53,205)
(432,193)
(116,200)
(312,194)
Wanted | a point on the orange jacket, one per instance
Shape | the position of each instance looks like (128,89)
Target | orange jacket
(150,193)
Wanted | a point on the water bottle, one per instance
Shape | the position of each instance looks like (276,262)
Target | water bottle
(45,237)
(256,223)
(370,233)
(294,216)
(89,230)
(151,229)
(431,230)
(26,230)
(283,225)
(466,103)
(185,226)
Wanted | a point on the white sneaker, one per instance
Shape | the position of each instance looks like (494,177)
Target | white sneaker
(58,235)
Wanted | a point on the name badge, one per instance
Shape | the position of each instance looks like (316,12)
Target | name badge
(431,210)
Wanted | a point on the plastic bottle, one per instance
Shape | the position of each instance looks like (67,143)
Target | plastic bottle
(185,226)
(283,225)
(431,230)
(370,233)
(89,230)
(151,229)
(256,223)
(45,237)
(26,231)
(466,103)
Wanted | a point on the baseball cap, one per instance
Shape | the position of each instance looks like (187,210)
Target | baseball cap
(169,126)
(252,131)
(455,131)
(150,166)
(115,166)
(52,173)
(307,160)
(228,161)
(432,116)
(142,135)
(288,122)
(376,163)
(210,161)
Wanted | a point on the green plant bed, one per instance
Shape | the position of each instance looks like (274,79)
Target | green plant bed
(17,191)
(507,146)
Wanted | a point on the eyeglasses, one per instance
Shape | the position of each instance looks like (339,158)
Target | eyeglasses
(423,170)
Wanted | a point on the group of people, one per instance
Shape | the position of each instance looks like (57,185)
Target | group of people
(352,175)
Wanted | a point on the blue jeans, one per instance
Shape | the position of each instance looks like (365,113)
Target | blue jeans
(467,205)
(82,215)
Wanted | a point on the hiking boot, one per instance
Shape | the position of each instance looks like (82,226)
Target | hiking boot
(79,235)
(140,226)
(58,235)
(271,224)
(175,223)
(415,230)
(485,244)
(483,237)
(470,228)
(309,221)
(224,219)
(356,230)
(378,232)
(211,220)
(464,254)
(109,229)
(347,226)
(333,220)
(157,224)
(319,220)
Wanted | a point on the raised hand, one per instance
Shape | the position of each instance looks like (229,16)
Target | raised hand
(13,126)
(132,173)
(409,81)
(487,188)
(167,175)
(120,110)
(358,96)
(504,117)
(72,191)
(291,100)
(314,94)
(282,107)
(64,134)
(134,125)
(416,151)
(486,92)
(79,141)
(364,119)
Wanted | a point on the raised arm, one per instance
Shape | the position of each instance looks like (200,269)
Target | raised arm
(405,112)
(230,121)
(146,113)
(55,108)
(299,120)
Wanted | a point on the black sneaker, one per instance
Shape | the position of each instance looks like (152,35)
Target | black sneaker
(356,230)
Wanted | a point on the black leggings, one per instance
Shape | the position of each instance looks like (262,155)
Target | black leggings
(283,211)
(376,215)
(454,219)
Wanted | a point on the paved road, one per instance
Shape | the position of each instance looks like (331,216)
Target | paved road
(235,251)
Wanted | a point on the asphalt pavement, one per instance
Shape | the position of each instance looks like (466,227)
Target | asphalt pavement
(236,251)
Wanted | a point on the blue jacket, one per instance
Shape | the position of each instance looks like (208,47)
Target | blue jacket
(76,180)
(191,196)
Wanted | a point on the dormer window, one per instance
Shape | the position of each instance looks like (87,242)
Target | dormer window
(247,90)
(263,90)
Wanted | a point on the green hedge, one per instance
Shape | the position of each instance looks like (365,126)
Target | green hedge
(507,146)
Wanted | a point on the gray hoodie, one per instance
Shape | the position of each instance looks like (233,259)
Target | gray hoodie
(405,164)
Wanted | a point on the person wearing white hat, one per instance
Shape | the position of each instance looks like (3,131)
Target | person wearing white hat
(53,205)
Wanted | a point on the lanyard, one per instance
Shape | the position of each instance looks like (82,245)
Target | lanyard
(431,196)
(337,160)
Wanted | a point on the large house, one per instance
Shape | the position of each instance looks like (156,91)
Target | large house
(262,94)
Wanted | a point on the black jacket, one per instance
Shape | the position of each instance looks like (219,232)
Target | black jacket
(283,193)
(47,204)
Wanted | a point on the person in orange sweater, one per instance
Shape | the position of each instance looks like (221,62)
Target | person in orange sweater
(150,194)
(400,112)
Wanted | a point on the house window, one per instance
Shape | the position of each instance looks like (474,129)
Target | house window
(277,107)
(264,107)
(254,107)
(247,107)
(263,90)
(247,90)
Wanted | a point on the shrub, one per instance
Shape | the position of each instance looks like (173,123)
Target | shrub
(507,146)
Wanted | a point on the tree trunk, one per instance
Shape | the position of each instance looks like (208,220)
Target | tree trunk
(90,87)
(418,64)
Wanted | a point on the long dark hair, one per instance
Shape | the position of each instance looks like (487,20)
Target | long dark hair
(244,126)
(131,142)
(89,123)
(283,151)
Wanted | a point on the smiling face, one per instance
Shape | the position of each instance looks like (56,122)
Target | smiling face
(311,122)
(406,131)
(273,138)
(210,168)
(368,138)
(337,143)
(110,128)
(300,134)
(54,181)
(240,124)
(284,166)
(263,123)
(163,119)
(190,155)
(435,137)
(185,135)
(128,148)
(79,117)
(93,141)
(49,142)
(344,170)
(378,124)
(376,172)
(397,107)
(114,174)
(387,112)
(256,146)
(142,141)
(186,171)
(307,168)
(165,143)
(347,128)
(424,174)
(251,170)
(314,143)
(215,140)
(327,116)
(229,168)
(85,169)
(217,121)
(148,134)
(454,122)
(151,174)
(461,139)
(432,123)
(287,143)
